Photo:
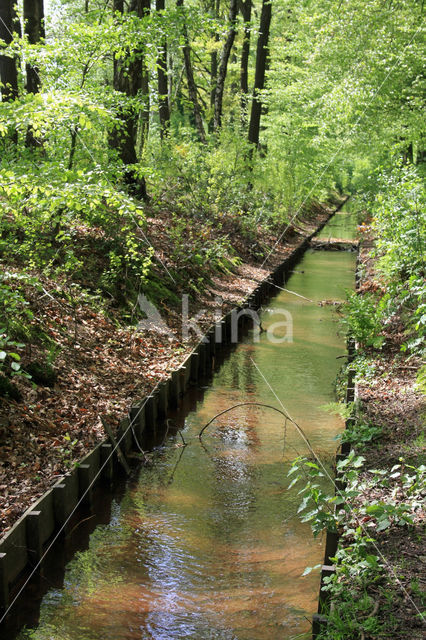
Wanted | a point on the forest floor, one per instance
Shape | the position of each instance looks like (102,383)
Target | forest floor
(102,368)
(391,402)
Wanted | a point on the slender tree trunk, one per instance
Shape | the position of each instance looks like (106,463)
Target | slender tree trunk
(223,68)
(146,107)
(144,10)
(8,68)
(128,80)
(34,29)
(262,62)
(213,74)
(192,87)
(213,66)
(163,90)
(245,52)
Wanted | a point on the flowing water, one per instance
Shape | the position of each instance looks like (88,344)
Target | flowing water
(205,543)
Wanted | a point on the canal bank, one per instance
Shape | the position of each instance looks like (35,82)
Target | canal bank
(375,566)
(313,335)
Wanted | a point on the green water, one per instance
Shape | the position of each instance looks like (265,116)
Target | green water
(342,224)
(205,543)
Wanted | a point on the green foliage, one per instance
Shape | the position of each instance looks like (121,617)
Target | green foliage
(359,570)
(317,505)
(14,311)
(362,319)
(401,297)
(400,229)
(73,224)
(421,379)
(354,610)
(9,359)
(399,222)
(360,433)
(328,511)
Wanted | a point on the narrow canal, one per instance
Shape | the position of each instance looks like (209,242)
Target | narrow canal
(205,543)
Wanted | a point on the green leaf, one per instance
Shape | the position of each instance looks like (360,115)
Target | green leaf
(308,570)
(384,524)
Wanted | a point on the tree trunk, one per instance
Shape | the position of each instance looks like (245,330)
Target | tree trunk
(8,69)
(163,94)
(128,80)
(146,106)
(262,63)
(213,66)
(223,68)
(245,52)
(34,29)
(144,10)
(213,74)
(192,87)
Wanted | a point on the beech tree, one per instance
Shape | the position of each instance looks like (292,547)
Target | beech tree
(213,62)
(162,80)
(34,30)
(192,87)
(223,67)
(8,68)
(262,56)
(128,80)
(245,53)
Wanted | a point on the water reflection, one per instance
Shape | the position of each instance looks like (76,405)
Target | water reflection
(205,544)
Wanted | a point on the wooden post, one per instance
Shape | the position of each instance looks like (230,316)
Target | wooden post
(33,531)
(163,399)
(84,483)
(318,624)
(194,367)
(107,462)
(324,596)
(59,504)
(4,583)
(331,542)
(151,414)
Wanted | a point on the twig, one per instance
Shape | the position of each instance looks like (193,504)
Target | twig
(79,523)
(60,302)
(299,295)
(170,480)
(267,406)
(167,431)
(116,446)
(137,441)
